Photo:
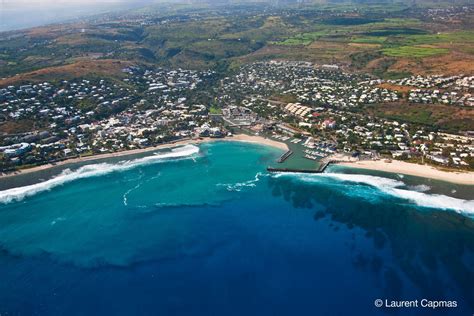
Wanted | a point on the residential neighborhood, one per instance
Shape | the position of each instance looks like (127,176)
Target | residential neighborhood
(294,101)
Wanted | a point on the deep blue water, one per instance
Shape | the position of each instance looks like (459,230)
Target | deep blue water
(211,233)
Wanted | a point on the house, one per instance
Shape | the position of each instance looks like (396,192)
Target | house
(329,123)
(439,159)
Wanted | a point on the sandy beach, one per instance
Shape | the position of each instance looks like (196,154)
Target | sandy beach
(239,137)
(395,166)
(424,171)
(258,140)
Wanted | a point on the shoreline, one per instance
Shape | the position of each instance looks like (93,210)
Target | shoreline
(396,167)
(411,169)
(194,141)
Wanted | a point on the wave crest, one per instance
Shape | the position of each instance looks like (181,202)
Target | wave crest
(93,170)
(395,188)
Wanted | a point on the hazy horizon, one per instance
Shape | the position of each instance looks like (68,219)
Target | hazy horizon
(21,14)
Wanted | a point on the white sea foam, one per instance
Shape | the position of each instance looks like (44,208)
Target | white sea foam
(58,219)
(94,170)
(420,187)
(398,189)
(237,187)
(125,195)
(136,187)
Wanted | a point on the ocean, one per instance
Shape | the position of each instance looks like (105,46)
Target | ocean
(205,230)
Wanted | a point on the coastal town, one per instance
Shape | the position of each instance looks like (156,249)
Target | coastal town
(232,157)
(317,109)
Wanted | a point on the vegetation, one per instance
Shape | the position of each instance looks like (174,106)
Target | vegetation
(414,51)
(215,110)
(445,117)
(374,38)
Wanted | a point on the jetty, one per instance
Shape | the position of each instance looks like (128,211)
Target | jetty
(321,168)
(285,156)
(270,169)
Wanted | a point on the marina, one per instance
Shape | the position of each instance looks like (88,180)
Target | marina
(305,155)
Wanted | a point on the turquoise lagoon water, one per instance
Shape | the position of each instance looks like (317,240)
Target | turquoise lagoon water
(207,231)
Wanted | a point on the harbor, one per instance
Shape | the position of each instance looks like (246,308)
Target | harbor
(304,154)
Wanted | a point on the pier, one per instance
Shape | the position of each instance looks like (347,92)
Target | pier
(285,156)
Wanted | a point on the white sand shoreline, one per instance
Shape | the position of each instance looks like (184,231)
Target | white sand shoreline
(411,169)
(398,167)
(239,138)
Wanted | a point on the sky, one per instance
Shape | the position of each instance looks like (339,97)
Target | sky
(57,2)
(19,14)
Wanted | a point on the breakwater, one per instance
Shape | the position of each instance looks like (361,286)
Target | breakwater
(322,167)
(285,156)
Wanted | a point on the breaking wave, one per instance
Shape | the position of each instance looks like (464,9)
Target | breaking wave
(395,188)
(420,187)
(93,170)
